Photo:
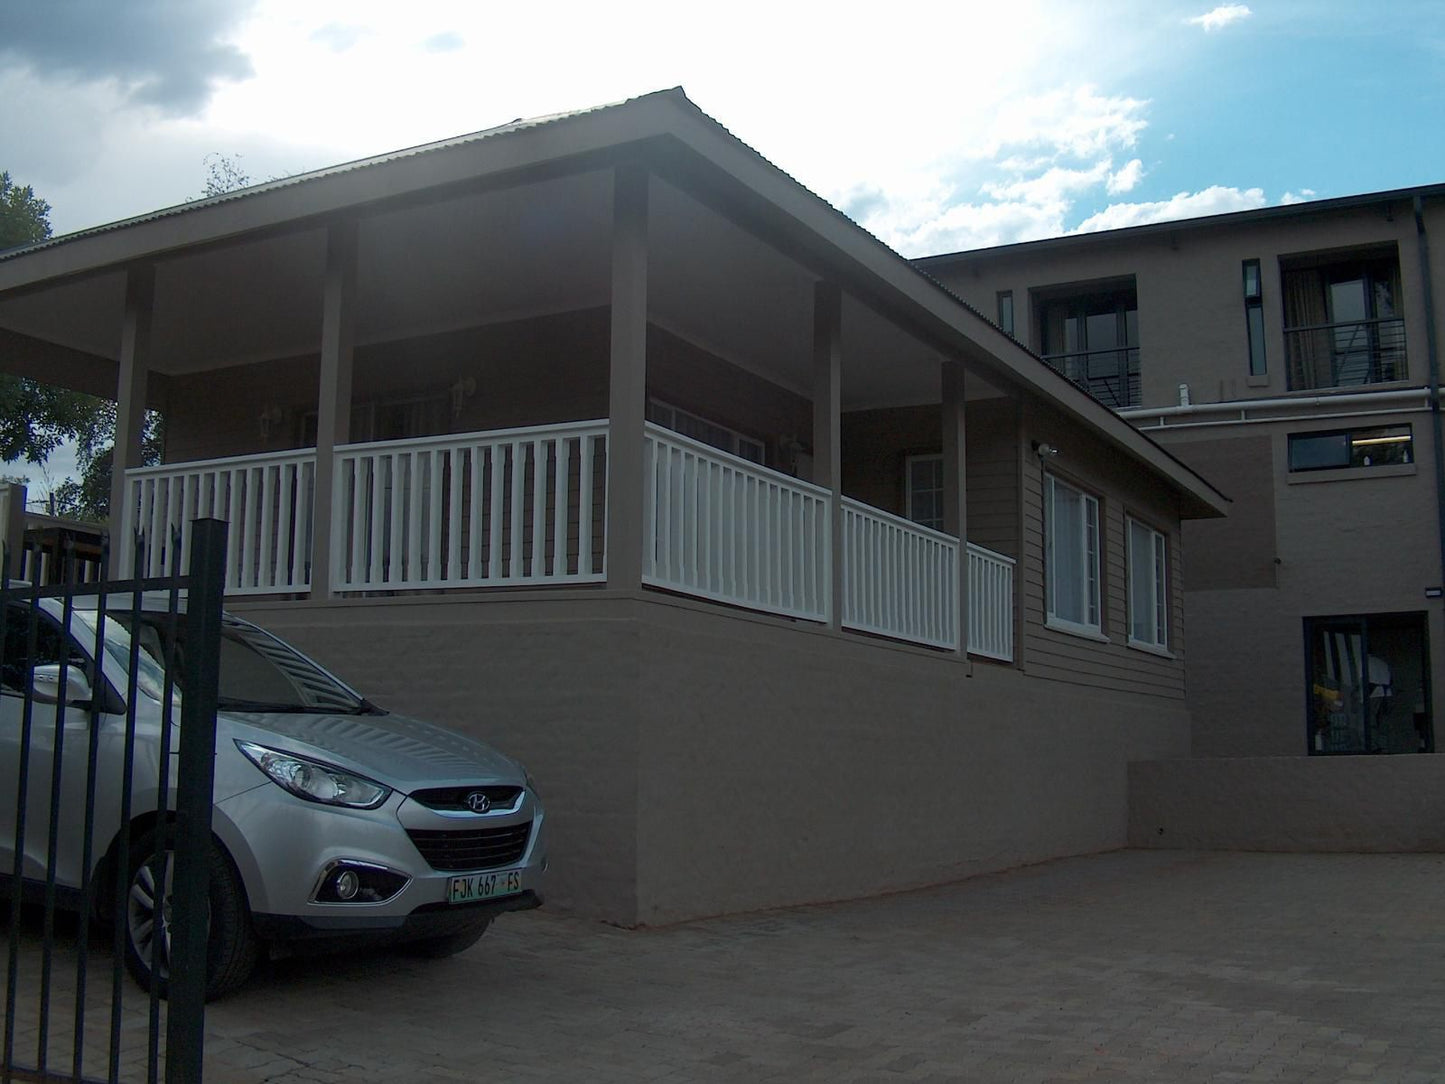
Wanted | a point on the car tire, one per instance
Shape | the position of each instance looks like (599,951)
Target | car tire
(232,948)
(448,944)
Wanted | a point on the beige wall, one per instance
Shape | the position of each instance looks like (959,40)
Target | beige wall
(1289,803)
(696,761)
(1344,542)
(1190,293)
(1293,546)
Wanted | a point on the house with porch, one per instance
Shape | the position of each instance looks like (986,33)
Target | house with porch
(789,575)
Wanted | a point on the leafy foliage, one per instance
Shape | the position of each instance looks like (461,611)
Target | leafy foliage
(24,216)
(36,418)
(223,174)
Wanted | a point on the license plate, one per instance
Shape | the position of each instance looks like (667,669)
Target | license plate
(484,886)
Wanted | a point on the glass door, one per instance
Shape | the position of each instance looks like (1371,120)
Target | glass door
(1367,684)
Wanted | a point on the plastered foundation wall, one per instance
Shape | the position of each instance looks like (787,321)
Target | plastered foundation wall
(695,761)
(1289,803)
(553,685)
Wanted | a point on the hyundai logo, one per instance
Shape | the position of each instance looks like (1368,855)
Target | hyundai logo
(478,802)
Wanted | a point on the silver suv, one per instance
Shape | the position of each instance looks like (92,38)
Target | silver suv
(334,821)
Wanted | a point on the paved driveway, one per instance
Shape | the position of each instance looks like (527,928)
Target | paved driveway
(1147,966)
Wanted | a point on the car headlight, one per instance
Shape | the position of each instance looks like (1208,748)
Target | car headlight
(315,781)
(531,783)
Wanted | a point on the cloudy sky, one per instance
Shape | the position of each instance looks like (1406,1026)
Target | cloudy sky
(939,126)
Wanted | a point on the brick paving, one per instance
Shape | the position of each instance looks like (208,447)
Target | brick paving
(1132,966)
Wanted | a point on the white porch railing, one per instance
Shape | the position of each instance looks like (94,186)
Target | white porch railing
(990,604)
(528,507)
(266,499)
(506,508)
(899,579)
(722,528)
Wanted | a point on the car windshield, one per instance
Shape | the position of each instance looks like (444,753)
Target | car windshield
(258,671)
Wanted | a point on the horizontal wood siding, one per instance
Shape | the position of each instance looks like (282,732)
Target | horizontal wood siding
(1122,490)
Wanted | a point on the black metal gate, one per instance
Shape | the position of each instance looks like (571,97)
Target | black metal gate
(86,712)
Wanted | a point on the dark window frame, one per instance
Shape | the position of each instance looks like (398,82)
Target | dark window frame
(1300,460)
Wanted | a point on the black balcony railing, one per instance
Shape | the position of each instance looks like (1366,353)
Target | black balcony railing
(1111,376)
(1342,355)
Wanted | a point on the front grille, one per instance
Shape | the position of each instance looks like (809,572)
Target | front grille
(453,799)
(481,848)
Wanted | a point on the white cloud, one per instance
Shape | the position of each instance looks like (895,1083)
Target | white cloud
(1215,200)
(1126,179)
(1221,16)
(1304,195)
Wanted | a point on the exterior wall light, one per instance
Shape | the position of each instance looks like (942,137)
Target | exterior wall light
(1045,451)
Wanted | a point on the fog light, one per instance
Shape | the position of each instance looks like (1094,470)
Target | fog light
(350,881)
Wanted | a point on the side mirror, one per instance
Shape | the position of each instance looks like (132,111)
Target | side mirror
(46,685)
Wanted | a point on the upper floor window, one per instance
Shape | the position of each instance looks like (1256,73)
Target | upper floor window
(1254,316)
(1343,320)
(1342,448)
(1148,560)
(923,482)
(710,433)
(1091,335)
(1071,557)
(1006,311)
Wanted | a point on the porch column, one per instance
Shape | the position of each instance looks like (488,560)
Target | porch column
(130,405)
(827,426)
(627,389)
(955,485)
(333,404)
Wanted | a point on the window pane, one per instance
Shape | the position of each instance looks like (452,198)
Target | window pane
(1318,451)
(1254,314)
(1006,311)
(1146,585)
(1073,555)
(1379,447)
(1141,583)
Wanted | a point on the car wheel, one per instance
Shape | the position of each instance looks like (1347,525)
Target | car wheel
(448,944)
(231,945)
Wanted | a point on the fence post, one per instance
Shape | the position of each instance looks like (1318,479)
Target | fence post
(200,669)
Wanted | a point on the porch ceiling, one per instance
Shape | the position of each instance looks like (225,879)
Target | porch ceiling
(533,249)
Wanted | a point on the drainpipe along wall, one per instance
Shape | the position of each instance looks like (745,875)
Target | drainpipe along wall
(1432,353)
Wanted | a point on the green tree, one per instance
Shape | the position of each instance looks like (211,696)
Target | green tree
(36,418)
(24,216)
(223,174)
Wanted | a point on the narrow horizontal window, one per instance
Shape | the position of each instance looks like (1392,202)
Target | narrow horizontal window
(1340,449)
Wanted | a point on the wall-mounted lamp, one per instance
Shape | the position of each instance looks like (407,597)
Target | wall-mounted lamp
(460,392)
(1045,451)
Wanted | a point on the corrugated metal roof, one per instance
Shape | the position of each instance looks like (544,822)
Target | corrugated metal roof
(518,125)
(1221,219)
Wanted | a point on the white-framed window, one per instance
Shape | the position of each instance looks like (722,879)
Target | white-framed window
(1148,580)
(1071,557)
(923,490)
(710,433)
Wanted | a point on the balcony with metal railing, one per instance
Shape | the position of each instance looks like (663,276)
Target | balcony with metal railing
(1345,355)
(528,506)
(1111,375)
